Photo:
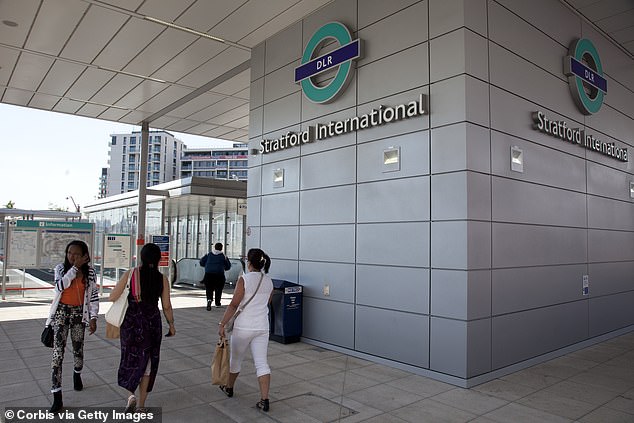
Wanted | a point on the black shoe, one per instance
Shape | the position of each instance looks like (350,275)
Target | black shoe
(208,305)
(57,402)
(218,305)
(228,391)
(77,383)
(263,404)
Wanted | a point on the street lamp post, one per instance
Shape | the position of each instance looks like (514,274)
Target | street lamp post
(70,197)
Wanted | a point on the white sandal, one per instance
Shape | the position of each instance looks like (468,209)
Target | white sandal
(131,405)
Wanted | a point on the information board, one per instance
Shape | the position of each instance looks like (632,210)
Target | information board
(41,244)
(117,251)
(163,241)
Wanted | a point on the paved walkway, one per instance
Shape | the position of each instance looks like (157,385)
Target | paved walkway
(311,384)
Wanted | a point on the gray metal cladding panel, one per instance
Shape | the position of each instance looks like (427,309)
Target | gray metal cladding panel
(414,157)
(612,123)
(611,278)
(407,69)
(255,124)
(604,245)
(525,288)
(620,99)
(281,82)
(458,52)
(460,294)
(404,126)
(340,278)
(391,287)
(280,209)
(445,16)
(542,165)
(522,202)
(284,47)
(328,321)
(611,312)
(605,213)
(331,143)
(462,146)
(520,336)
(371,11)
(328,205)
(282,113)
(254,239)
(608,182)
(531,245)
(525,79)
(459,348)
(330,168)
(253,210)
(280,242)
(458,99)
(393,200)
(257,61)
(523,39)
(394,33)
(379,330)
(254,187)
(397,244)
(551,18)
(343,11)
(333,243)
(256,97)
(461,195)
(284,269)
(291,176)
(462,245)
(511,115)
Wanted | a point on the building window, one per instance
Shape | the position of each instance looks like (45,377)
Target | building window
(114,140)
(132,140)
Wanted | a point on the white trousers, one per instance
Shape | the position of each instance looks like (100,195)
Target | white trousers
(259,341)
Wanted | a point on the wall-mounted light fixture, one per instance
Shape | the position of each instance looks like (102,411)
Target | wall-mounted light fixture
(254,151)
(631,189)
(517,159)
(278,178)
(392,159)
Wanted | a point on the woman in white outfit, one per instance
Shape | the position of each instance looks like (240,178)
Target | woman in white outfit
(251,327)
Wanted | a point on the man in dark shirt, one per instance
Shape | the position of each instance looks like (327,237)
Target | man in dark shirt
(215,264)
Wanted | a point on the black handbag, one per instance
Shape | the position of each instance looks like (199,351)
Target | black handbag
(47,336)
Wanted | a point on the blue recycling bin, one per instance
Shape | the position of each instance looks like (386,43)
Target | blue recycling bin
(286,312)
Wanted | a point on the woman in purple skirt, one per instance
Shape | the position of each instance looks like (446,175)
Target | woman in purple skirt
(142,329)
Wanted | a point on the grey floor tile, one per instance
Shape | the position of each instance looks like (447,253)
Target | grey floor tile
(470,400)
(532,379)
(505,390)
(623,402)
(420,385)
(429,410)
(607,415)
(518,413)
(344,382)
(384,397)
(557,405)
(581,392)
(380,373)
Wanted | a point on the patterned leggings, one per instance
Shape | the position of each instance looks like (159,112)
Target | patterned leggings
(66,318)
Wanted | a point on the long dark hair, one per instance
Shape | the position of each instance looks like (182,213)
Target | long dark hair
(151,277)
(84,250)
(259,260)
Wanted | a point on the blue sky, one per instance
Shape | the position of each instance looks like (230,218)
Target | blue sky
(46,156)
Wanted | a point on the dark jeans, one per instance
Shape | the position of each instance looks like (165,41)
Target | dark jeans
(214,283)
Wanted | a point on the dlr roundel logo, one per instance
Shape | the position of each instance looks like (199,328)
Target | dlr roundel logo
(313,64)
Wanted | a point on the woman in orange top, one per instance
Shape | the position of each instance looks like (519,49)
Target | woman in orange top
(76,306)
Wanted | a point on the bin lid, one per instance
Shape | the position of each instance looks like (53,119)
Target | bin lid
(281,283)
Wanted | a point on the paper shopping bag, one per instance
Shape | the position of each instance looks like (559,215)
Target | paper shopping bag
(220,363)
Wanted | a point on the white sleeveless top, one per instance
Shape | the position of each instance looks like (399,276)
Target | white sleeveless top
(255,315)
